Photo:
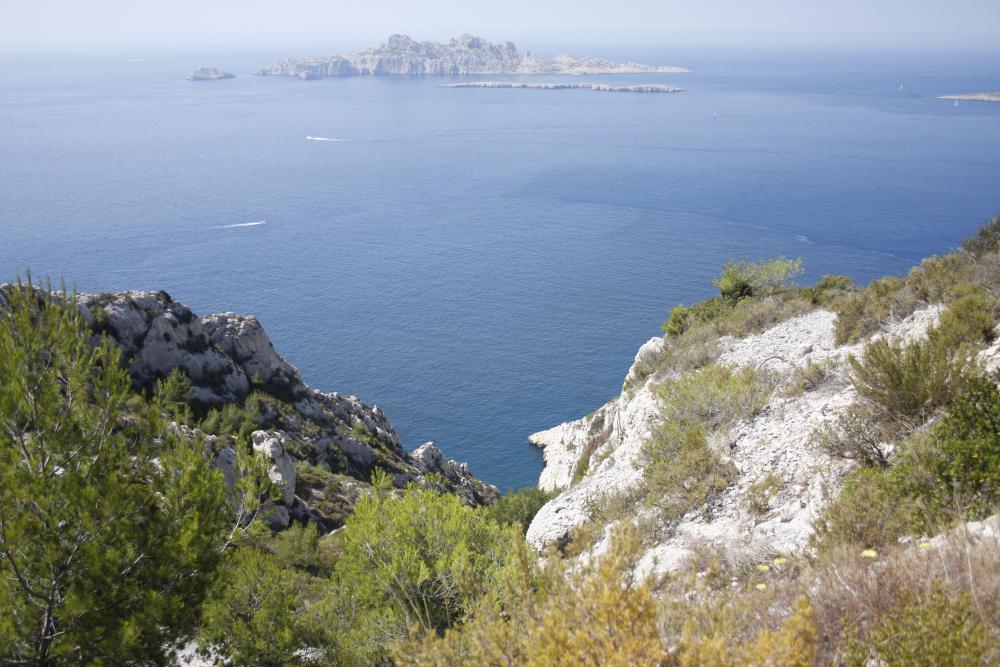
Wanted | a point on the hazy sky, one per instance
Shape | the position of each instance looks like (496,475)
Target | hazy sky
(111,24)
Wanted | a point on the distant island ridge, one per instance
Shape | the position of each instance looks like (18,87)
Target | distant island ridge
(402,55)
(209,74)
(973,97)
(603,87)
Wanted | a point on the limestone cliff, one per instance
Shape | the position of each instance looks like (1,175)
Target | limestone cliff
(321,447)
(401,55)
(600,458)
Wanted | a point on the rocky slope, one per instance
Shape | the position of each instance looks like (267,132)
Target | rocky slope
(401,55)
(321,447)
(600,457)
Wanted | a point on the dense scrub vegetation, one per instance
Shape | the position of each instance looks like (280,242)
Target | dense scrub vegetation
(119,542)
(109,531)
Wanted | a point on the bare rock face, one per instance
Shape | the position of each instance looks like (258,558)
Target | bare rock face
(401,55)
(601,456)
(158,335)
(430,459)
(243,340)
(282,466)
(229,360)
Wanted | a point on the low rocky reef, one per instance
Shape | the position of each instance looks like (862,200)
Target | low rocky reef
(209,74)
(401,55)
(973,97)
(321,448)
(646,88)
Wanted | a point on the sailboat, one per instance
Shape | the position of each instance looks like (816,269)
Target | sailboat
(900,87)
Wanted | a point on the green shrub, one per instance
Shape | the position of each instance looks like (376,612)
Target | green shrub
(986,240)
(927,629)
(420,559)
(682,318)
(860,314)
(677,321)
(936,279)
(741,279)
(110,532)
(909,382)
(251,616)
(517,507)
(946,473)
(828,289)
(809,377)
(752,295)
(964,470)
(757,314)
(869,512)
(683,473)
(330,495)
(758,495)
(232,420)
(859,434)
(715,395)
(967,321)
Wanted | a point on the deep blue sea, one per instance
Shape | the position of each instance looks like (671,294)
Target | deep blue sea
(482,264)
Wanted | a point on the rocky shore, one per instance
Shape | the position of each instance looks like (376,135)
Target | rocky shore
(465,55)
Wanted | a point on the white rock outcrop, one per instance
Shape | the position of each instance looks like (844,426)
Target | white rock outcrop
(281,468)
(608,446)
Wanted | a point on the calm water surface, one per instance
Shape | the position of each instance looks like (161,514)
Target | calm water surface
(482,264)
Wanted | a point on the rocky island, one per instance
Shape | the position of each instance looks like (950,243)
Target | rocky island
(209,74)
(465,55)
(973,97)
(603,87)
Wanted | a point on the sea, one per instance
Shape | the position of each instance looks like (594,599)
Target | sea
(483,263)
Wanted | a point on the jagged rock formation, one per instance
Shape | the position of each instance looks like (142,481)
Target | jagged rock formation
(601,455)
(209,74)
(321,447)
(401,55)
(649,88)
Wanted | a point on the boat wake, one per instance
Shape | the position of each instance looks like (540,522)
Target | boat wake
(244,224)
(312,138)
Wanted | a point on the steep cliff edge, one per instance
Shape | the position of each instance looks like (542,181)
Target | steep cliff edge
(321,447)
(772,477)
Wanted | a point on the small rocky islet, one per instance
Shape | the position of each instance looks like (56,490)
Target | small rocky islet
(209,74)
(973,97)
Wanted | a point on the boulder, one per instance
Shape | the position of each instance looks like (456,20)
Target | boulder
(282,465)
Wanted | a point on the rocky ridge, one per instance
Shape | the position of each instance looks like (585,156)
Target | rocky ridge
(600,456)
(321,447)
(401,55)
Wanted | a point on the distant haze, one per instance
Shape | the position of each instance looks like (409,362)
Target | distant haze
(115,24)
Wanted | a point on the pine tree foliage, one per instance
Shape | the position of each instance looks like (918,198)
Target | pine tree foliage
(108,529)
